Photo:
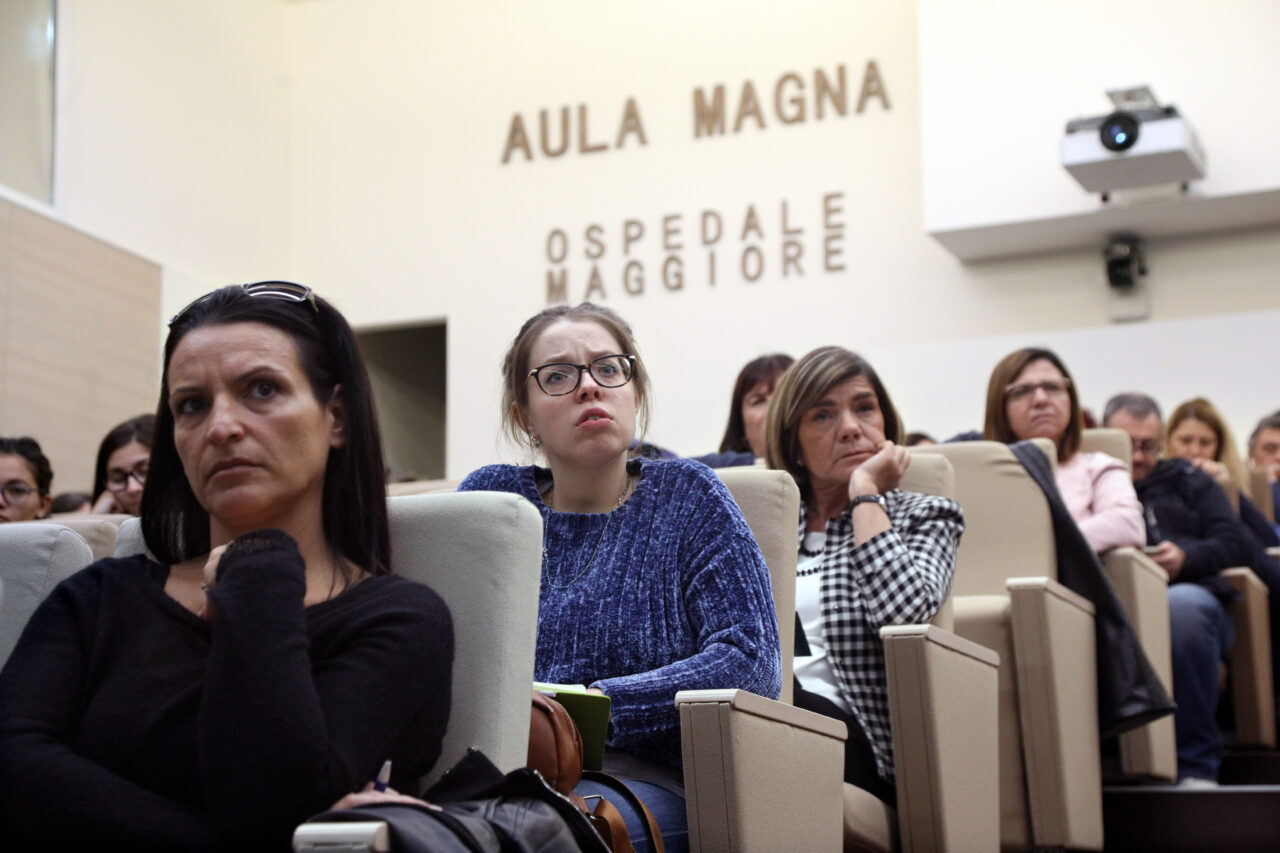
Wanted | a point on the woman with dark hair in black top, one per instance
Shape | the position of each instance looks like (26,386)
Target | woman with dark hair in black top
(266,661)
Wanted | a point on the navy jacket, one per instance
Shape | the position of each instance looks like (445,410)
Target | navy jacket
(1185,506)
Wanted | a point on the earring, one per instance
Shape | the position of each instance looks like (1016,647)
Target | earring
(534,439)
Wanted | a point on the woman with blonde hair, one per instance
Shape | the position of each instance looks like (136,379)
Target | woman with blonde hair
(651,580)
(1197,433)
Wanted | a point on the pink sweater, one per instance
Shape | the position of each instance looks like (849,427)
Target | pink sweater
(1099,494)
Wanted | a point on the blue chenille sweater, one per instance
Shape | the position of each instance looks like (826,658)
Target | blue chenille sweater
(678,598)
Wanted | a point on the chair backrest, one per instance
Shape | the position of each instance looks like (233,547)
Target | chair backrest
(99,531)
(770,503)
(422,487)
(1008,531)
(482,552)
(933,474)
(1108,440)
(1260,492)
(34,558)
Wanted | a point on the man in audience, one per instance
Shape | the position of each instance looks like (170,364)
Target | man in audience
(1192,533)
(1264,451)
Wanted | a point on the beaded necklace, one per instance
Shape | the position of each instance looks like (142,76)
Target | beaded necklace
(626,487)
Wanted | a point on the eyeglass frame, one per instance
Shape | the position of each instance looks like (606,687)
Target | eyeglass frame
(132,472)
(9,500)
(1033,387)
(581,368)
(287,291)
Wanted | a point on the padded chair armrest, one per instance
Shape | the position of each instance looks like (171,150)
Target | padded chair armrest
(1150,751)
(944,712)
(354,837)
(1252,687)
(1057,683)
(1051,587)
(760,775)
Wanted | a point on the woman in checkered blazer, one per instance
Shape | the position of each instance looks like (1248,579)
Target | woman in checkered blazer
(870,554)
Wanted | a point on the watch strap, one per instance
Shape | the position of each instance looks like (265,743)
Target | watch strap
(866,499)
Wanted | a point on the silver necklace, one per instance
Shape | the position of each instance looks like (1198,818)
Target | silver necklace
(626,487)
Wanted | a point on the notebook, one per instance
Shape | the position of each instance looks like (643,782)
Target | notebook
(590,711)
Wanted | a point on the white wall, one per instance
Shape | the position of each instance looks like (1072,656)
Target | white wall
(172,131)
(357,146)
(402,205)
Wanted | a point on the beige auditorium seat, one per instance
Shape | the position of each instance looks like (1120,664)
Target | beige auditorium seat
(98,530)
(1007,598)
(1259,489)
(1148,752)
(762,776)
(34,558)
(1252,688)
(422,487)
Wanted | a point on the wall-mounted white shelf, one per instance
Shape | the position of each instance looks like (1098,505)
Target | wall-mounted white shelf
(1188,216)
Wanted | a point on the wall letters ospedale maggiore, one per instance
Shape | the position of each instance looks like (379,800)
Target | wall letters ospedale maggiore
(596,261)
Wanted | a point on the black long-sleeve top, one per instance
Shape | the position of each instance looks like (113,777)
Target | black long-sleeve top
(125,719)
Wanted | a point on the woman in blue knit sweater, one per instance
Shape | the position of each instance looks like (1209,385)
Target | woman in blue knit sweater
(651,580)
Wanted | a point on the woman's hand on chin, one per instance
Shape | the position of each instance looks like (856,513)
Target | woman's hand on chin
(208,611)
(881,473)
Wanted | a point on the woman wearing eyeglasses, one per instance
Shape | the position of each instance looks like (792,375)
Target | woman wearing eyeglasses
(1031,395)
(121,469)
(25,477)
(651,580)
(267,661)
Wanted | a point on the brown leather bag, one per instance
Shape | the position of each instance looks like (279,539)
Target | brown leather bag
(555,751)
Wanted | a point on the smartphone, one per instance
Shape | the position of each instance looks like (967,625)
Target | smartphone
(1150,549)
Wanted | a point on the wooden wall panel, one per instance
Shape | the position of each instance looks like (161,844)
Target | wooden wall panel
(79,339)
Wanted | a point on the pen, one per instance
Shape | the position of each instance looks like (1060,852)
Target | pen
(384,776)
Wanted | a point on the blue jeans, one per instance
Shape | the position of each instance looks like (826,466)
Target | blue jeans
(1202,634)
(667,808)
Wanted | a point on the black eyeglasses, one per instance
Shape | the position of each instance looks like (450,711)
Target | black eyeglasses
(16,492)
(562,377)
(118,478)
(286,290)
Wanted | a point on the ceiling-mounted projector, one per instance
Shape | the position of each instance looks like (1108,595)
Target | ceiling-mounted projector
(1139,144)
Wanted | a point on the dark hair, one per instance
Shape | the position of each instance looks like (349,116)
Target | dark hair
(764,370)
(1006,372)
(914,438)
(1271,421)
(1136,403)
(70,501)
(515,364)
(141,429)
(354,503)
(29,449)
(802,385)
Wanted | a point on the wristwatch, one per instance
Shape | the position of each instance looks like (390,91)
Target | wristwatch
(866,499)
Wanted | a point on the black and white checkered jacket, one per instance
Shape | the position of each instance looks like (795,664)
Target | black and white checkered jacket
(899,577)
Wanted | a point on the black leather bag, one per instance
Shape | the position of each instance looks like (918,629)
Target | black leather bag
(481,811)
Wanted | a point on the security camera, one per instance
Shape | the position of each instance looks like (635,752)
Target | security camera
(1126,262)
(1139,144)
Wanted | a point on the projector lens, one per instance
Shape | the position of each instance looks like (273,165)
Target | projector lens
(1119,132)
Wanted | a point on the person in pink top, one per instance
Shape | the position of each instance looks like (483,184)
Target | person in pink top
(1031,395)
